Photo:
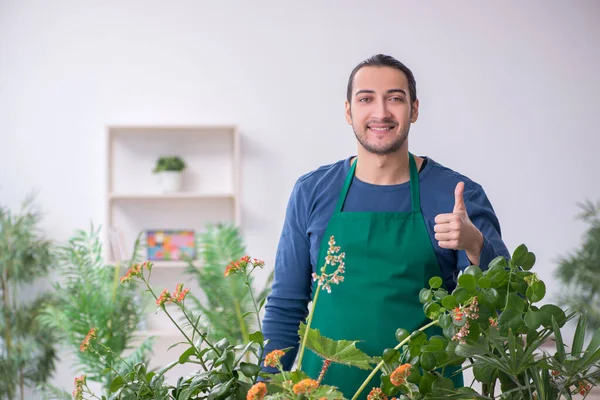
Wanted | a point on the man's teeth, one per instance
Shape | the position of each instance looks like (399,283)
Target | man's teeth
(381,129)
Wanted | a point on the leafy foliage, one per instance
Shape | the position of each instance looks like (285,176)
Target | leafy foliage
(90,296)
(169,163)
(27,349)
(226,311)
(580,270)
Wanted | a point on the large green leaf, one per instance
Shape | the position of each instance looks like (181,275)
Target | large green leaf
(338,351)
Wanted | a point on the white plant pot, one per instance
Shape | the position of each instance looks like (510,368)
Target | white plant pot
(170,181)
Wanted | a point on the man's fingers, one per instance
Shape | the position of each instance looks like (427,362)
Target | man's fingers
(448,244)
(445,218)
(447,236)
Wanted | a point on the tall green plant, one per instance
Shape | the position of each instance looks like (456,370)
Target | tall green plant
(90,296)
(228,305)
(580,270)
(27,352)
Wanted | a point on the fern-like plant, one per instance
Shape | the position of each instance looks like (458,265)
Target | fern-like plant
(580,270)
(226,311)
(90,296)
(27,350)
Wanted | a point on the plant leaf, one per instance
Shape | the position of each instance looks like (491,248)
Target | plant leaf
(338,351)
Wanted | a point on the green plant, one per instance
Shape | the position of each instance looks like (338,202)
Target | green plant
(225,312)
(27,349)
(580,270)
(169,163)
(222,373)
(91,296)
(492,322)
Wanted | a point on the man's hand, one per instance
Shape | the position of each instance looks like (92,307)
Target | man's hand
(456,231)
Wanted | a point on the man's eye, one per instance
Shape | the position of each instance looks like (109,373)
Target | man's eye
(365,100)
(397,99)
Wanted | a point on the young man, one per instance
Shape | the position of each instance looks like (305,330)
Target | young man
(400,219)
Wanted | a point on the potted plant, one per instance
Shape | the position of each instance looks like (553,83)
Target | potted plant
(169,171)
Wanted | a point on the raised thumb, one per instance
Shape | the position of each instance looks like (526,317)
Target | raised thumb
(459,201)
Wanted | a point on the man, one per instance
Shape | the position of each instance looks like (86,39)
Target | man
(400,219)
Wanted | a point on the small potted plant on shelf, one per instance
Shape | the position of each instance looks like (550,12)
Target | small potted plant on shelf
(169,171)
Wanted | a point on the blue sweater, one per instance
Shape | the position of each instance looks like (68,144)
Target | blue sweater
(309,209)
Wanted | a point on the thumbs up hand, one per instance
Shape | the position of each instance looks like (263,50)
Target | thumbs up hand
(456,231)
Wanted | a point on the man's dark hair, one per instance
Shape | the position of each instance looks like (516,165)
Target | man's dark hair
(382,60)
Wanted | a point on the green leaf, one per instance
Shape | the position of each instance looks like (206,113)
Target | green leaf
(449,302)
(418,337)
(474,270)
(250,370)
(391,355)
(549,311)
(338,351)
(116,384)
(519,255)
(536,292)
(257,337)
(185,356)
(426,382)
(468,282)
(515,302)
(529,261)
(435,282)
(425,295)
(442,386)
(461,294)
(387,387)
(533,319)
(484,282)
(432,310)
(510,319)
(579,336)
(445,321)
(483,373)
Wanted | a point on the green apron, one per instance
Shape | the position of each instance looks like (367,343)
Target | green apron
(389,258)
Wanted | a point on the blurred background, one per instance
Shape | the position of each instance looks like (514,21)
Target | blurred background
(251,95)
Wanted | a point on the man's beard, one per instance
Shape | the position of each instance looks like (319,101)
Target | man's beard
(378,150)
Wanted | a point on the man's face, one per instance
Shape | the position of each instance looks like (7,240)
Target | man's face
(380,109)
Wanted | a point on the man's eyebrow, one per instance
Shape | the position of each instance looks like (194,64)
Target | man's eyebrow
(389,91)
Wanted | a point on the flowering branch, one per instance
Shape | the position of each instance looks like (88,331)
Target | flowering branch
(324,280)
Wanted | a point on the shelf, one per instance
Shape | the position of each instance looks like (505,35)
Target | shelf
(169,196)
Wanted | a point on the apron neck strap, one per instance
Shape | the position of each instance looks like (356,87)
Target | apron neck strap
(414,185)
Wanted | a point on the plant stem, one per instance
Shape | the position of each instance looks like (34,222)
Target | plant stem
(378,367)
(310,317)
(240,318)
(253,299)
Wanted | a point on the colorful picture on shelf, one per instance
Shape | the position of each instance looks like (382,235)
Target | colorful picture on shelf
(170,245)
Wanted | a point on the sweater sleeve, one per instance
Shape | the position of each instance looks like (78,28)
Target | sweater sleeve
(482,215)
(287,304)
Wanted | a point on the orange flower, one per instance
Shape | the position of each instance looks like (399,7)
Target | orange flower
(257,392)
(135,271)
(305,386)
(164,297)
(78,391)
(241,265)
(398,377)
(583,388)
(272,359)
(86,342)
(376,394)
(179,293)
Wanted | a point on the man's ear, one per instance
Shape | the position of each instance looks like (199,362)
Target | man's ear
(414,112)
(348,113)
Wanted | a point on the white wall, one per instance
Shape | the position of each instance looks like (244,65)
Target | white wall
(509,96)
